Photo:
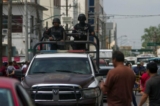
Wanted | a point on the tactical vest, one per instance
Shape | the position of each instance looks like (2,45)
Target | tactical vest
(82,29)
(57,33)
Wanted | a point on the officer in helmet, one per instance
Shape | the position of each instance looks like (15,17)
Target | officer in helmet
(82,28)
(55,33)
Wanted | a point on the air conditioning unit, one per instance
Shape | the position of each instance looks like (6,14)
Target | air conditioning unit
(4,31)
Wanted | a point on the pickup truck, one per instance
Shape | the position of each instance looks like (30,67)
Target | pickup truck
(63,79)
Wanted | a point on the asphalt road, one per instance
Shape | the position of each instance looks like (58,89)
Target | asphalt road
(138,97)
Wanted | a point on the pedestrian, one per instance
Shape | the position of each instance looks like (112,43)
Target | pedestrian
(24,65)
(133,96)
(10,70)
(152,89)
(119,82)
(3,69)
(142,64)
(143,80)
(138,70)
(15,65)
(25,69)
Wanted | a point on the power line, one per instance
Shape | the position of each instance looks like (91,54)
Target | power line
(61,8)
(132,15)
(20,8)
(112,16)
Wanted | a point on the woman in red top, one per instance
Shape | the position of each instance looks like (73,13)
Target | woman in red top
(145,76)
(144,79)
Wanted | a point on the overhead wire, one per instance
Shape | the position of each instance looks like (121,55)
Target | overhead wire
(20,7)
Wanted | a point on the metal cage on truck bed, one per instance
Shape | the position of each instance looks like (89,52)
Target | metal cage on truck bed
(96,45)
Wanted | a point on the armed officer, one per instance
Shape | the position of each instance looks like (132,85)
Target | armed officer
(55,33)
(82,28)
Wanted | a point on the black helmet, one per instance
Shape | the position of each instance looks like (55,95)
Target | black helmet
(57,20)
(81,17)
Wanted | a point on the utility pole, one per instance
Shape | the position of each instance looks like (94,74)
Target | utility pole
(109,38)
(155,41)
(66,14)
(38,20)
(26,30)
(9,30)
(1,20)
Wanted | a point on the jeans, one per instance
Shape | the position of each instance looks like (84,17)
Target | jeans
(134,99)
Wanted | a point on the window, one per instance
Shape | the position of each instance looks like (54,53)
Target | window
(17,23)
(91,2)
(32,24)
(91,38)
(36,28)
(60,64)
(5,98)
(91,21)
(91,9)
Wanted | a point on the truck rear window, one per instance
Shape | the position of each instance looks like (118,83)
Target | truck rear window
(60,64)
(5,97)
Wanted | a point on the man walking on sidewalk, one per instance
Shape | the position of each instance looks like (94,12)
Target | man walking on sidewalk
(152,89)
(119,82)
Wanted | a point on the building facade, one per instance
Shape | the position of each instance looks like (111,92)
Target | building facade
(18,27)
(111,41)
(75,7)
(97,18)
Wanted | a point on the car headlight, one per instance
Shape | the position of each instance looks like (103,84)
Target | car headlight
(91,93)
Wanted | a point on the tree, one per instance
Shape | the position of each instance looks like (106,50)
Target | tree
(151,34)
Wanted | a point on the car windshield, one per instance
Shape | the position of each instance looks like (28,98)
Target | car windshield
(5,97)
(60,64)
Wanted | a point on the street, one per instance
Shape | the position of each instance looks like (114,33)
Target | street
(138,97)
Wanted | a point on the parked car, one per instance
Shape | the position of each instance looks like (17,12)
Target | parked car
(13,94)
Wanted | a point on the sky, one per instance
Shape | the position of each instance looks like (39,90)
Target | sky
(133,27)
